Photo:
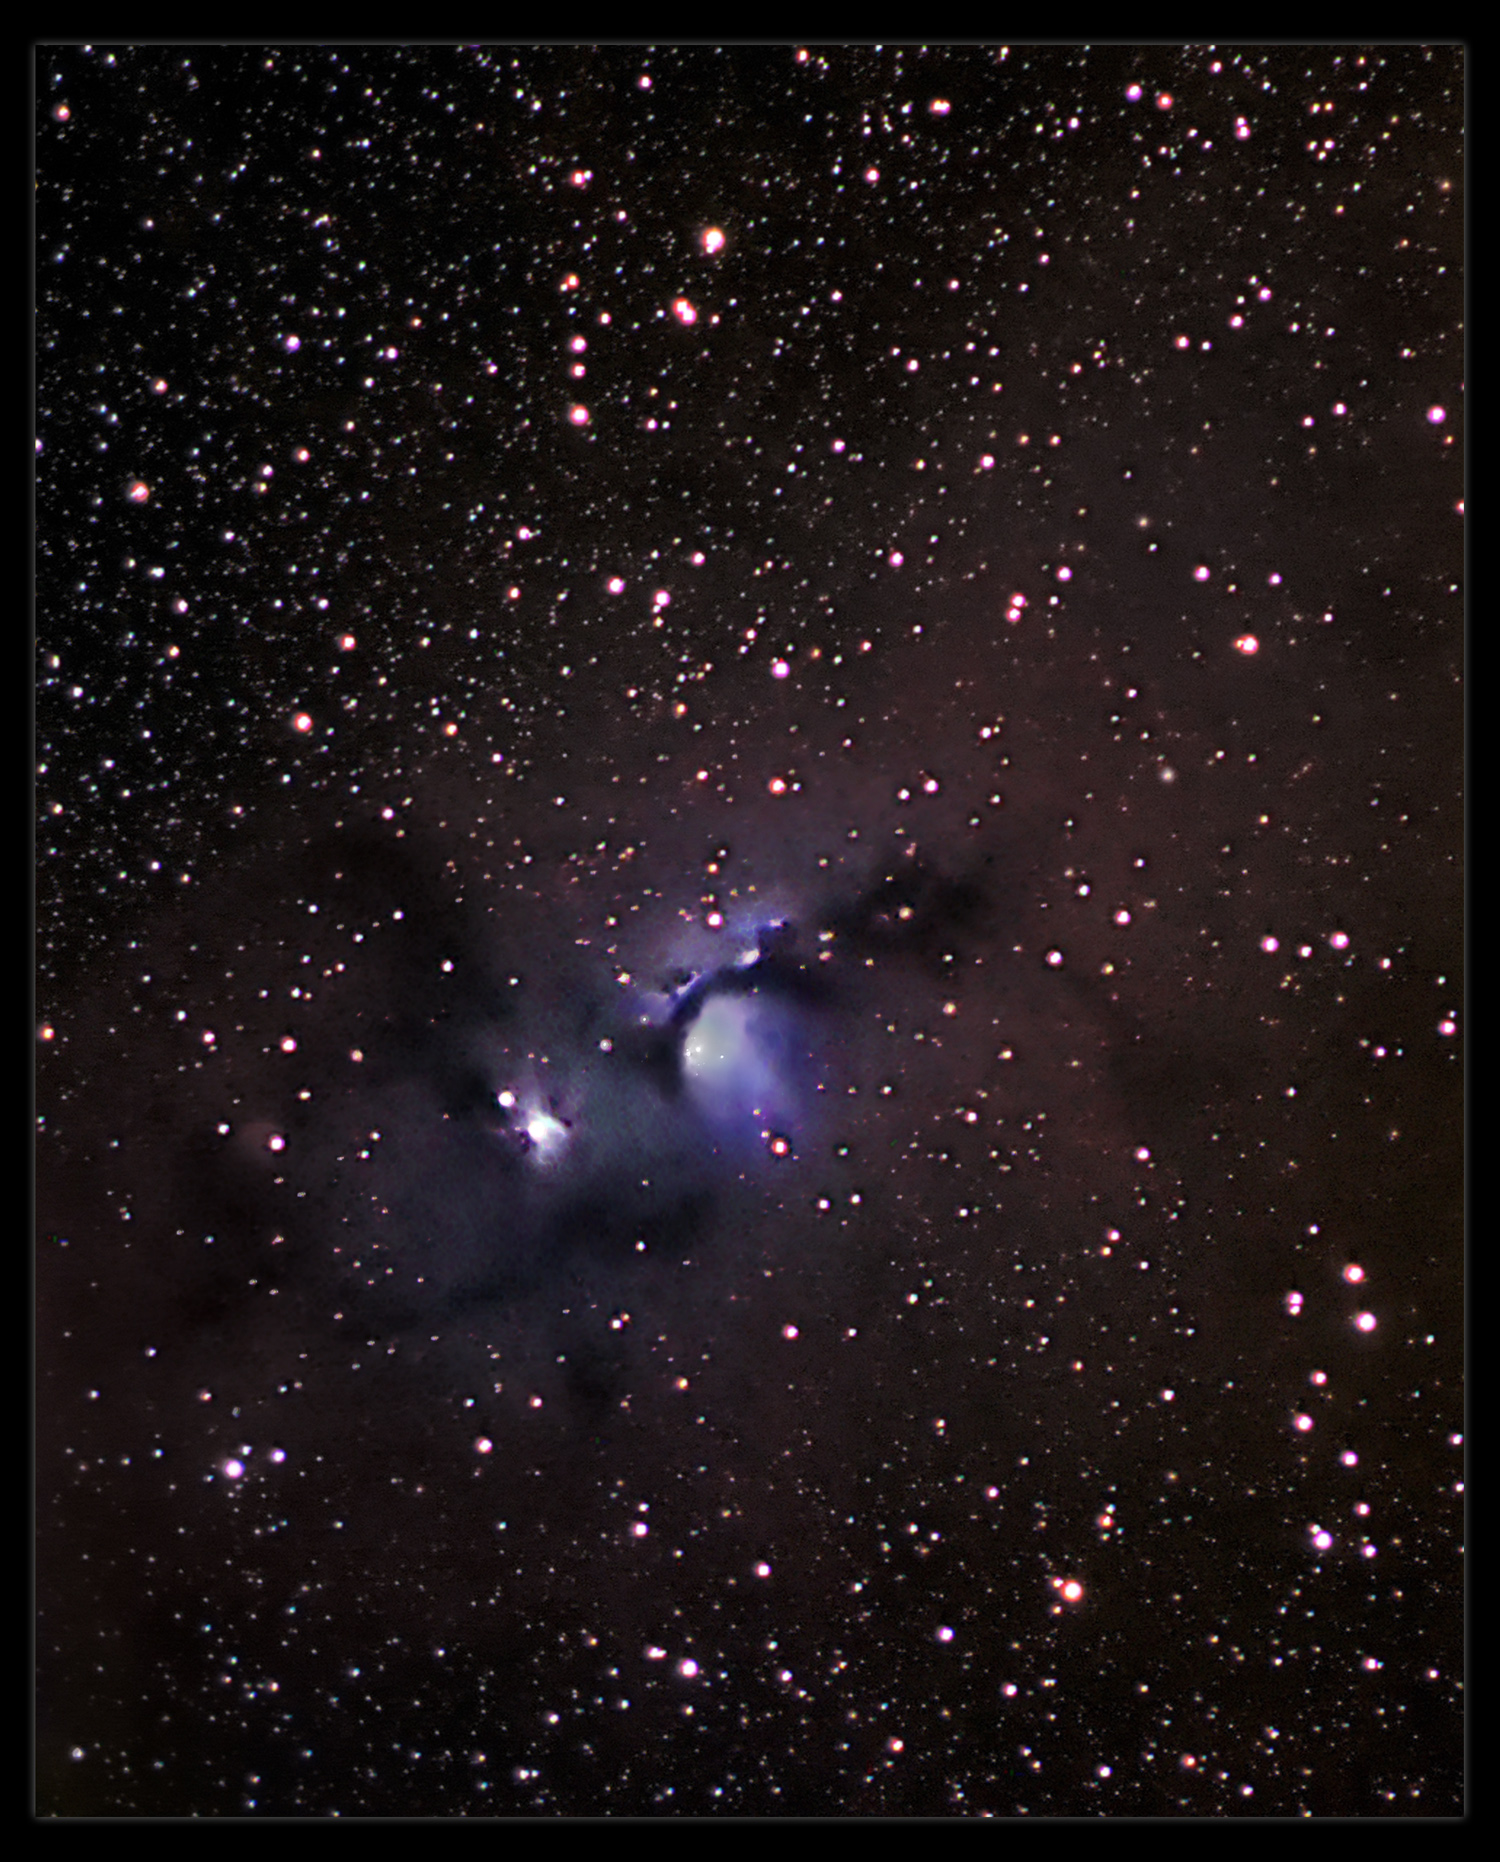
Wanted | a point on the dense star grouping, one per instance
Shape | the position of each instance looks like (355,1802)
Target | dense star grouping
(750,931)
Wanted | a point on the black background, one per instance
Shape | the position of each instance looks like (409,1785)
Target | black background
(1122,962)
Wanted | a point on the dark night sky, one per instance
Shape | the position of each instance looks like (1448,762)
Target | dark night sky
(750,930)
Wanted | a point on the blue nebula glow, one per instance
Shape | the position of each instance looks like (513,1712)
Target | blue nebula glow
(735,1059)
(545,1132)
(720,1056)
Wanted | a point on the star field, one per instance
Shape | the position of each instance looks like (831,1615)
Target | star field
(750,931)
